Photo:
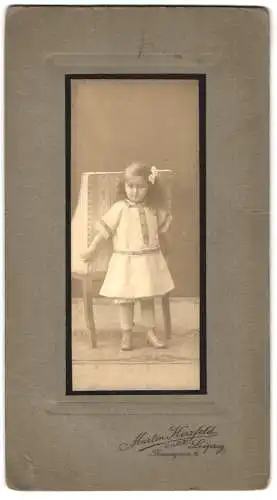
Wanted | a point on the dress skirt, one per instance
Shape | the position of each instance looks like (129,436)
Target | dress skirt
(137,276)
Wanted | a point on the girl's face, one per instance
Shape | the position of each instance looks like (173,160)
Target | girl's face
(136,189)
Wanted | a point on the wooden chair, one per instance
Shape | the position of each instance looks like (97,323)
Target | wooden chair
(97,193)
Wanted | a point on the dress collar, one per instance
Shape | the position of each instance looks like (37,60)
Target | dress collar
(133,203)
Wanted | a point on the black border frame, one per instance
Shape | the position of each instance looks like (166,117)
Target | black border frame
(202,226)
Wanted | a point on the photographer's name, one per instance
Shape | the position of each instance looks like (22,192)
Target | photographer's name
(178,440)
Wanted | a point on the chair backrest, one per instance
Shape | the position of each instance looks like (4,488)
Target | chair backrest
(97,194)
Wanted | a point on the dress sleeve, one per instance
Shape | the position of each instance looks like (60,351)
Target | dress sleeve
(108,223)
(164,221)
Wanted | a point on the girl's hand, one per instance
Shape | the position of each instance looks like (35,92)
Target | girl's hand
(86,256)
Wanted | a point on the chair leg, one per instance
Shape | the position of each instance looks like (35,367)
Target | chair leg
(166,315)
(88,310)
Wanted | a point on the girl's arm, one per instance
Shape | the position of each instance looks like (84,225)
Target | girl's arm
(97,240)
(105,227)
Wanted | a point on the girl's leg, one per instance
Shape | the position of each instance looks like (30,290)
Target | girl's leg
(148,318)
(126,321)
(148,313)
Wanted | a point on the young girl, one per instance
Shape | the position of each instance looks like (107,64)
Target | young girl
(137,270)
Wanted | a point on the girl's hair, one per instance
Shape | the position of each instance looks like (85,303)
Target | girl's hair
(155,197)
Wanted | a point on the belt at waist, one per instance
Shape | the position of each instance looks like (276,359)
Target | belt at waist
(138,252)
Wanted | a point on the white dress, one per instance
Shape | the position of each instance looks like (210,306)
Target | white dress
(137,268)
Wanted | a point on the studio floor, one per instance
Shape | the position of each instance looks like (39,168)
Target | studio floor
(107,367)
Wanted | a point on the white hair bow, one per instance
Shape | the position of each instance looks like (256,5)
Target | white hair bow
(154,174)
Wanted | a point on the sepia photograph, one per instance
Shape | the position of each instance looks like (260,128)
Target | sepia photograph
(135,233)
(137,217)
